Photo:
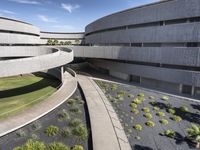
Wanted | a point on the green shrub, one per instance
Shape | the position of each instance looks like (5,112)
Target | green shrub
(171,111)
(138,127)
(77,147)
(133,105)
(21,133)
(169,133)
(34,137)
(130,96)
(165,98)
(66,132)
(36,125)
(176,118)
(114,87)
(148,115)
(75,122)
(71,102)
(164,121)
(135,111)
(184,109)
(75,109)
(137,101)
(141,94)
(80,132)
(146,109)
(194,133)
(121,93)
(51,130)
(156,108)
(160,114)
(63,115)
(152,102)
(151,97)
(32,145)
(150,123)
(57,146)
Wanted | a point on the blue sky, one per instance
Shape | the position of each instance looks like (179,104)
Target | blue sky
(64,15)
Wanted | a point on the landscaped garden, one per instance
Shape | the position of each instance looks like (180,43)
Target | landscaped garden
(153,121)
(19,92)
(65,128)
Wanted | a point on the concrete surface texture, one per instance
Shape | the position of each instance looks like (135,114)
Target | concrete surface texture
(107,132)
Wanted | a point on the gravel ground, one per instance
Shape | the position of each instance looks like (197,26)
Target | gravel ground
(149,138)
(12,140)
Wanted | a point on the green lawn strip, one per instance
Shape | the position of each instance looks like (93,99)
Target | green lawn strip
(11,105)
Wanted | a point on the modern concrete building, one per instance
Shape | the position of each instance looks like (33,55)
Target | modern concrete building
(156,45)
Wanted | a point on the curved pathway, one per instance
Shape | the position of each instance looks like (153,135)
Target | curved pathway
(107,132)
(35,112)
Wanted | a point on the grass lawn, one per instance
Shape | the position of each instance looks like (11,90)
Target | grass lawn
(20,92)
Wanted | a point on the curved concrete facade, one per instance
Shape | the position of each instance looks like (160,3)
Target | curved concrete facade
(17,32)
(72,37)
(156,44)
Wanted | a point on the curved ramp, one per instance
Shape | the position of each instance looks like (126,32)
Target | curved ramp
(49,59)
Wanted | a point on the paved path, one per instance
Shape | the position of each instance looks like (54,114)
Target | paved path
(107,132)
(35,112)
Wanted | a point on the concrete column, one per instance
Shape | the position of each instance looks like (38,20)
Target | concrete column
(192,91)
(180,88)
(62,73)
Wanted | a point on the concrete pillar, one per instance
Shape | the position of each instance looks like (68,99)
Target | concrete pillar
(180,88)
(62,73)
(192,91)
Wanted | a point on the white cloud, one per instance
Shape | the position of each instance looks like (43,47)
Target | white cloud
(33,2)
(7,12)
(46,19)
(70,7)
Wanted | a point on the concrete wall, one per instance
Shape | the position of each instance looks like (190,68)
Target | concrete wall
(16,32)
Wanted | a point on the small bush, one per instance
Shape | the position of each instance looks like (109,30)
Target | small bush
(51,130)
(151,97)
(150,123)
(156,108)
(171,111)
(36,125)
(34,137)
(146,109)
(57,146)
(148,115)
(141,94)
(164,121)
(32,145)
(152,102)
(76,110)
(133,105)
(66,132)
(114,87)
(160,114)
(121,93)
(77,147)
(71,102)
(130,96)
(138,127)
(21,133)
(184,109)
(80,132)
(75,122)
(63,115)
(137,101)
(135,111)
(165,98)
(169,133)
(176,118)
